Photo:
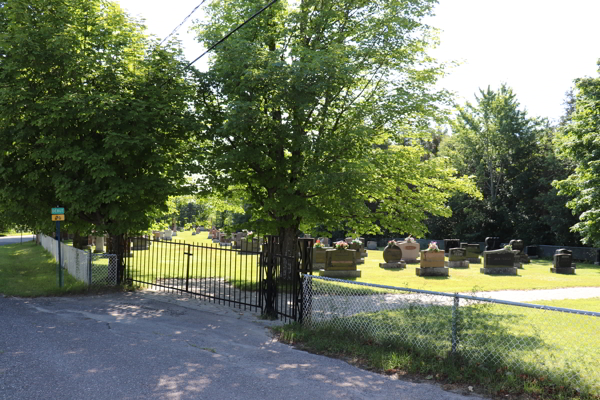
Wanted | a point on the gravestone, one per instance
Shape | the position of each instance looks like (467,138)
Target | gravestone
(563,262)
(319,257)
(450,244)
(324,241)
(340,263)
(432,264)
(498,262)
(193,233)
(457,258)
(157,235)
(518,248)
(473,253)
(392,255)
(492,243)
(139,243)
(532,252)
(99,244)
(168,234)
(372,245)
(198,230)
(410,251)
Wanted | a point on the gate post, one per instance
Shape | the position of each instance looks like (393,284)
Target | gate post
(270,285)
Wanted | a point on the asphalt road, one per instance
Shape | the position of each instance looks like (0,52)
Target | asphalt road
(15,239)
(149,345)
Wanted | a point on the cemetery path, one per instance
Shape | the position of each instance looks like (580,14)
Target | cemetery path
(154,345)
(540,294)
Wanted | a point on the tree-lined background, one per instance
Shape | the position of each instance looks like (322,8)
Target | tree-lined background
(316,117)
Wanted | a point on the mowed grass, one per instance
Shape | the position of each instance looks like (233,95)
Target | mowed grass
(502,350)
(169,261)
(27,270)
(177,263)
(535,275)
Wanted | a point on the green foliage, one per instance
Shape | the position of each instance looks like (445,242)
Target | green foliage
(512,159)
(579,142)
(94,116)
(304,108)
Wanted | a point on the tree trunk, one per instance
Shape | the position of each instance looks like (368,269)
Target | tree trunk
(116,245)
(288,240)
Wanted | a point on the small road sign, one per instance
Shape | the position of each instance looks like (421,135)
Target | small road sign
(58,217)
(58,210)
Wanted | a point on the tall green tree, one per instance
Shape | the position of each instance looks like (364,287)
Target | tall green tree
(579,142)
(94,116)
(298,104)
(512,158)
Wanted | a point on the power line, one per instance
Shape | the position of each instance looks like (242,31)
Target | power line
(182,22)
(230,33)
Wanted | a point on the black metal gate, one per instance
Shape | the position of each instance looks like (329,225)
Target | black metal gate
(264,280)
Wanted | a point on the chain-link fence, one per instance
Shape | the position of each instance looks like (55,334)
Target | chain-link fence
(501,336)
(93,269)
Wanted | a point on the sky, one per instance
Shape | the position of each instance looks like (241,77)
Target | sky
(537,47)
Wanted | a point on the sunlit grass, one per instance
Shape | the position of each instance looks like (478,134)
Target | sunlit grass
(27,270)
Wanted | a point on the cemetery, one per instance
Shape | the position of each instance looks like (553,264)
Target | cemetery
(392,264)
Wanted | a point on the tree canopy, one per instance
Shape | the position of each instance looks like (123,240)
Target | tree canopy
(94,116)
(315,109)
(579,141)
(512,159)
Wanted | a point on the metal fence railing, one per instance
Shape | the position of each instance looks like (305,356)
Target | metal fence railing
(558,343)
(93,269)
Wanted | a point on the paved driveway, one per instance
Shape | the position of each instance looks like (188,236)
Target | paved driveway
(15,239)
(148,345)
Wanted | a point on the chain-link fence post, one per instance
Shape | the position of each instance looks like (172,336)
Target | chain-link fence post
(89,267)
(455,324)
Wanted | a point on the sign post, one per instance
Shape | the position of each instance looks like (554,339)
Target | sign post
(58,214)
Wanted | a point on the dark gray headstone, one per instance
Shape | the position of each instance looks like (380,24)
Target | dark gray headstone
(451,244)
(463,245)
(562,259)
(517,244)
(498,258)
(457,254)
(472,250)
(492,243)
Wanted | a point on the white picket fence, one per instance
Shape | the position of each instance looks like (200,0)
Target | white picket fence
(93,269)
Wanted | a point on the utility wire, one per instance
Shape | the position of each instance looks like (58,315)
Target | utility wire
(230,33)
(182,22)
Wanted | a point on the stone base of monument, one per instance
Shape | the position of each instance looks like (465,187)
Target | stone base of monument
(360,261)
(393,265)
(433,271)
(224,244)
(518,265)
(474,260)
(457,264)
(215,240)
(567,271)
(412,261)
(499,270)
(355,273)
(318,266)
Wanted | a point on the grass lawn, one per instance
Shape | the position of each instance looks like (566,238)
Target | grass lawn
(171,260)
(536,275)
(502,351)
(27,270)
